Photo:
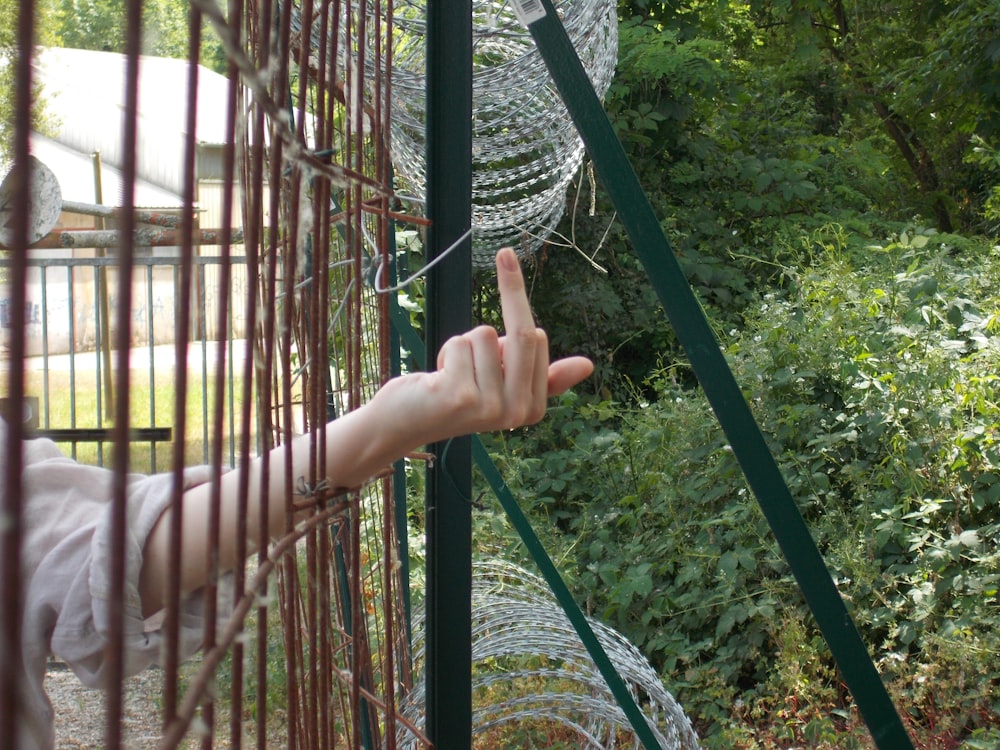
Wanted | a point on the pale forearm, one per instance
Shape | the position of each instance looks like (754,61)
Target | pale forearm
(482,383)
(358,446)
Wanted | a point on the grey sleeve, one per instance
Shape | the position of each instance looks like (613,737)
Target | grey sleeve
(66,556)
(84,620)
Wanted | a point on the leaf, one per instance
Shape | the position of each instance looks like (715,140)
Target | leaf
(726,623)
(968,538)
(643,585)
(728,564)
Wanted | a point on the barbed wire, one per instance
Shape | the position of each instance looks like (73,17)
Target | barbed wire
(523,640)
(525,148)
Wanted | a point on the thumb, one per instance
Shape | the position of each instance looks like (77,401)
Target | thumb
(565,373)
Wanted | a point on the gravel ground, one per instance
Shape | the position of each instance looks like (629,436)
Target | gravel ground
(79,720)
(80,712)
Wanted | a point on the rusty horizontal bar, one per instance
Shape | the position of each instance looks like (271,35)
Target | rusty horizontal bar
(143,237)
(161,218)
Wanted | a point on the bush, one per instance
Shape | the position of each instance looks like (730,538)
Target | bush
(874,379)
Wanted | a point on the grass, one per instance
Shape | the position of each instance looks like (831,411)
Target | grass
(77,401)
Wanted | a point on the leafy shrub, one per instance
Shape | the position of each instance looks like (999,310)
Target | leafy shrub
(874,379)
(739,162)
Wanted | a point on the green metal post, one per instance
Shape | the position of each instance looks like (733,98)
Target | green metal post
(717,380)
(412,341)
(449,312)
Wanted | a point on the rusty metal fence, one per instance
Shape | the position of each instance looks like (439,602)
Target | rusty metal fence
(276,332)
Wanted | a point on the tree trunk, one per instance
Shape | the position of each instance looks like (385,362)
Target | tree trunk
(919,160)
(915,154)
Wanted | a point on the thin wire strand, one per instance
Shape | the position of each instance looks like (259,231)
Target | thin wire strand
(379,269)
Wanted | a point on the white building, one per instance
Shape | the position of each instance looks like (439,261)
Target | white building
(83,93)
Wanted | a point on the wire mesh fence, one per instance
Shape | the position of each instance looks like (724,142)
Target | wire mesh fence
(146,344)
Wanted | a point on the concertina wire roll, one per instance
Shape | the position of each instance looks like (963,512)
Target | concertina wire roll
(525,148)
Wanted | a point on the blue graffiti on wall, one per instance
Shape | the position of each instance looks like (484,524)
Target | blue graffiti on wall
(32,313)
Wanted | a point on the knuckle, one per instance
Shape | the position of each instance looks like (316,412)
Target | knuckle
(490,412)
(523,335)
(519,415)
(537,413)
(485,333)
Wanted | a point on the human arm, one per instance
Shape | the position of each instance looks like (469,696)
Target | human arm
(483,382)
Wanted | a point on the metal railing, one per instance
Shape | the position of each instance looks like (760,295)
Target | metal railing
(68,368)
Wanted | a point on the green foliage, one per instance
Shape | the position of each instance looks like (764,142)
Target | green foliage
(922,73)
(100,25)
(10,52)
(914,85)
(739,162)
(92,24)
(872,374)
(612,316)
(987,159)
(753,128)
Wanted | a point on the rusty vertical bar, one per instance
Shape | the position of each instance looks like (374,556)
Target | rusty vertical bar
(321,396)
(382,66)
(214,445)
(182,328)
(222,346)
(352,346)
(258,32)
(11,592)
(269,35)
(355,159)
(286,262)
(120,452)
(312,379)
(366,662)
(314,403)
(325,107)
(401,542)
(252,171)
(319,664)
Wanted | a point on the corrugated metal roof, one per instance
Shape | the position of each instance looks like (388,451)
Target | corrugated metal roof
(83,92)
(75,172)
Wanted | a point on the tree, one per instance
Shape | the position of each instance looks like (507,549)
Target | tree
(100,25)
(9,53)
(924,73)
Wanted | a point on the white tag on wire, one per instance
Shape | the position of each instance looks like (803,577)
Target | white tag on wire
(528,11)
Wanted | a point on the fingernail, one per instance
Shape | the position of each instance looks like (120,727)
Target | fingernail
(508,259)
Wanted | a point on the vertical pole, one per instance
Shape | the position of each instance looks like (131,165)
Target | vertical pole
(115,648)
(11,594)
(449,312)
(104,316)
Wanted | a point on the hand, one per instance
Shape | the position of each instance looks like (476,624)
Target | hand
(485,381)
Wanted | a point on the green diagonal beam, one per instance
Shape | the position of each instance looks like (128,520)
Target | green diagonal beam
(703,351)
